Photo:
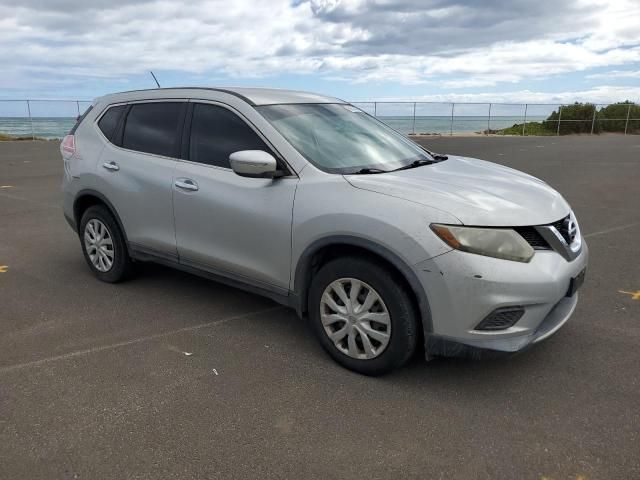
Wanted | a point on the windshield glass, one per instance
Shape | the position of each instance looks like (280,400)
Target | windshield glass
(341,138)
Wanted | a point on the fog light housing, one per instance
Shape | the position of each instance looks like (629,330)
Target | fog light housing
(501,318)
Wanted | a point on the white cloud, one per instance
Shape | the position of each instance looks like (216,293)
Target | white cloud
(616,74)
(601,95)
(449,43)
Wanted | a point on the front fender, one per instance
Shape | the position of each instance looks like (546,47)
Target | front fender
(391,228)
(304,268)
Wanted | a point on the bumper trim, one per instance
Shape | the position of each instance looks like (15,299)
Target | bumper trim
(451,347)
(556,318)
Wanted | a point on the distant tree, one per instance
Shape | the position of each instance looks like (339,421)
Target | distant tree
(613,118)
(576,118)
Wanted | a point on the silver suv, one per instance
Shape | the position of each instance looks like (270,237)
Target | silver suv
(306,199)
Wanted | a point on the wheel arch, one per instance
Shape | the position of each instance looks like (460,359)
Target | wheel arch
(320,251)
(88,198)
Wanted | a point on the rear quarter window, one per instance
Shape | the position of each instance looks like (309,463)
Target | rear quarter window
(110,120)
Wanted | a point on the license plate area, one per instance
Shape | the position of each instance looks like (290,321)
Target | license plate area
(576,282)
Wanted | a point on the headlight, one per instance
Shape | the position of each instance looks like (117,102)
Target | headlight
(492,242)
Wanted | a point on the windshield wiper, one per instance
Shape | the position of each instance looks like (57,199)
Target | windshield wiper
(368,171)
(434,155)
(416,163)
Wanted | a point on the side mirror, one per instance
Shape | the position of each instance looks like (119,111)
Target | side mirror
(254,164)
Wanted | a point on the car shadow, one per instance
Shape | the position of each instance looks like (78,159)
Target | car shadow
(475,376)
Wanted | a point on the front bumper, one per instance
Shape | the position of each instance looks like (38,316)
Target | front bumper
(464,288)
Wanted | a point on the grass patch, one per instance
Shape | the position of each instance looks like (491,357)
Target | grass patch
(532,128)
(13,138)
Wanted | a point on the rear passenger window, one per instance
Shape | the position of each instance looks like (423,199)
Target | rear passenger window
(216,133)
(110,120)
(153,128)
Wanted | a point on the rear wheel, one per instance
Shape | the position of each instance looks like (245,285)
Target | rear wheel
(103,245)
(362,315)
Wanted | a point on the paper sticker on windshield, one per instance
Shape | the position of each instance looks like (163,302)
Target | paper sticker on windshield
(353,109)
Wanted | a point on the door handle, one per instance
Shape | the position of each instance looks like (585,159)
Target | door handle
(111,166)
(186,184)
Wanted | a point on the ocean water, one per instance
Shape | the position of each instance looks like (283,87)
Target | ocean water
(43,127)
(58,127)
(460,124)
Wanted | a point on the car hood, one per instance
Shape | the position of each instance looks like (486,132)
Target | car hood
(475,191)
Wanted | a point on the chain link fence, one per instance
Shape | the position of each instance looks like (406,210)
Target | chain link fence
(439,118)
(44,119)
(51,119)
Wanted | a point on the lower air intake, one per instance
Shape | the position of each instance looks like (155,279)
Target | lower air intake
(501,318)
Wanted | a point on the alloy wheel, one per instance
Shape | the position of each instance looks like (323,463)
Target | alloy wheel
(99,245)
(355,318)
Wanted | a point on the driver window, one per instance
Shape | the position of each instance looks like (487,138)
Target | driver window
(217,132)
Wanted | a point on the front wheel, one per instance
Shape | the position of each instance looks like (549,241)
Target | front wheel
(362,315)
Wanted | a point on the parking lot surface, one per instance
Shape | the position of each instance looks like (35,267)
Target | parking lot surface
(173,376)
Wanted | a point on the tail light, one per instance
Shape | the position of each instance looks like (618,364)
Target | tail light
(68,146)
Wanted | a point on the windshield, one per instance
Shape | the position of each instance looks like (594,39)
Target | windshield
(341,138)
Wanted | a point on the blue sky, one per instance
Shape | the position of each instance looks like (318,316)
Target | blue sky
(432,50)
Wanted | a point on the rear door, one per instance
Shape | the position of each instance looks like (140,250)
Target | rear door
(136,169)
(235,226)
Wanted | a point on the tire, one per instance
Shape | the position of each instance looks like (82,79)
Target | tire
(382,355)
(98,219)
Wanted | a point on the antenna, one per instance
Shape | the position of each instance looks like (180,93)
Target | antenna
(154,78)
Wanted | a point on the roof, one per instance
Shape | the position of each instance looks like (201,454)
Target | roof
(266,96)
(252,95)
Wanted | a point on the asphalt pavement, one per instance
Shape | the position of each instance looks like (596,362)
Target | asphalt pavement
(173,376)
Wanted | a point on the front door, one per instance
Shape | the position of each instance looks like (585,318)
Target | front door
(235,226)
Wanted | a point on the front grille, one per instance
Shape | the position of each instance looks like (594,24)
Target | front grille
(555,236)
(533,238)
(501,318)
(561,227)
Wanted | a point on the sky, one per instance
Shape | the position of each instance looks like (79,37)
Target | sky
(359,50)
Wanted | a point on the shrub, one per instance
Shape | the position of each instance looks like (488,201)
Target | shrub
(613,118)
(532,128)
(576,118)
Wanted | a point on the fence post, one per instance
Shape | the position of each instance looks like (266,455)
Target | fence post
(593,121)
(414,118)
(375,109)
(453,106)
(559,119)
(489,121)
(78,105)
(626,124)
(524,123)
(33,137)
